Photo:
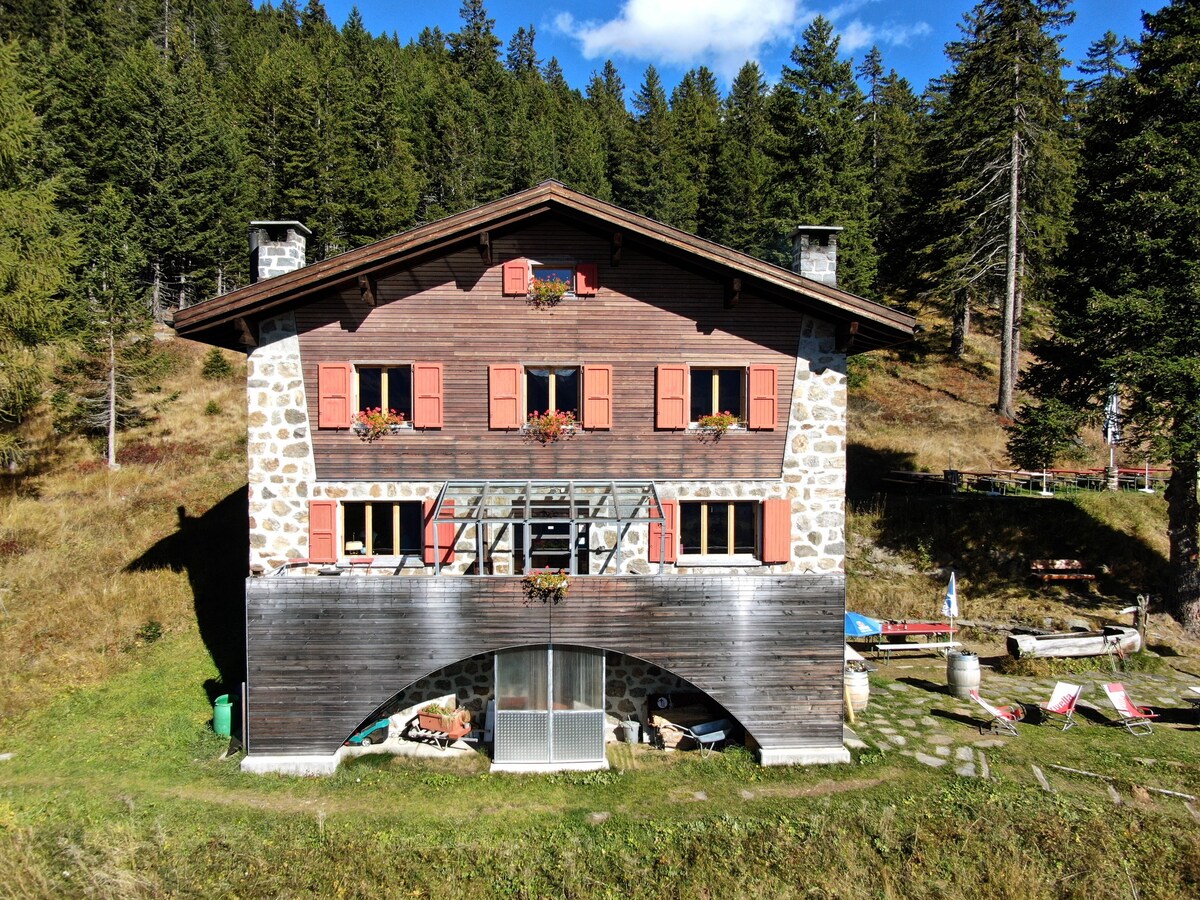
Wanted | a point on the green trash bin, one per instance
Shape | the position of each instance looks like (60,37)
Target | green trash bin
(222,715)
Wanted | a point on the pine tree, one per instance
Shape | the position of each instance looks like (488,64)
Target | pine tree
(695,118)
(894,142)
(1005,170)
(606,98)
(38,245)
(658,181)
(475,46)
(742,168)
(821,172)
(1129,314)
(114,315)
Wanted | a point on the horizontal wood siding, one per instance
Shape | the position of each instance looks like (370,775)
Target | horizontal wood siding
(326,652)
(648,311)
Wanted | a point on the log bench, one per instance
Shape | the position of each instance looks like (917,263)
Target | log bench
(1060,570)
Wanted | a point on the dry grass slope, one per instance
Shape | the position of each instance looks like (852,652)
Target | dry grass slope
(74,612)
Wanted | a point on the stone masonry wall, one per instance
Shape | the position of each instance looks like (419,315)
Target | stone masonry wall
(279,450)
(814,259)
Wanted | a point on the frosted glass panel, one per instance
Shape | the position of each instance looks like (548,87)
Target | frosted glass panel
(521,680)
(578,679)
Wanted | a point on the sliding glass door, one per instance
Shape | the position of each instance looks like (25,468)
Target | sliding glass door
(549,705)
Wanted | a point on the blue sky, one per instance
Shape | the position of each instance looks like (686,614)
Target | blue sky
(676,35)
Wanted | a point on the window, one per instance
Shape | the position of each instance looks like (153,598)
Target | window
(386,387)
(565,274)
(383,528)
(552,388)
(718,528)
(717,390)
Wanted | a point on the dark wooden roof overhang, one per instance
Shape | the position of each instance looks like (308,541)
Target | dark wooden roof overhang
(862,324)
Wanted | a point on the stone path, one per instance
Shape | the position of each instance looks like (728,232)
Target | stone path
(900,716)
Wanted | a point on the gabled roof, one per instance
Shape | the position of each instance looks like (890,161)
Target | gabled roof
(222,320)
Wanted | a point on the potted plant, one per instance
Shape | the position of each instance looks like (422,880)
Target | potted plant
(546,293)
(436,717)
(372,424)
(550,426)
(547,586)
(716,424)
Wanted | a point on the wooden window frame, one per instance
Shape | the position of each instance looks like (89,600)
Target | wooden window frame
(368,521)
(715,395)
(756,511)
(356,367)
(525,367)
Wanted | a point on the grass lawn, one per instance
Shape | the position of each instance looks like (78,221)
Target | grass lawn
(119,791)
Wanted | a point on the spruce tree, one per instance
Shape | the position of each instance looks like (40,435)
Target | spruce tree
(658,181)
(606,98)
(741,171)
(820,169)
(695,117)
(1129,314)
(38,245)
(1004,166)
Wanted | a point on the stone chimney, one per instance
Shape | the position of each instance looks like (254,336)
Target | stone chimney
(814,252)
(276,248)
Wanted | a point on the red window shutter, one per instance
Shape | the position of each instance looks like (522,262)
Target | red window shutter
(445,533)
(664,530)
(516,276)
(504,397)
(587,279)
(322,531)
(427,395)
(597,396)
(777,531)
(333,395)
(671,406)
(764,397)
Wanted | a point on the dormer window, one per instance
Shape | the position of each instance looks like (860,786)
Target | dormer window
(582,278)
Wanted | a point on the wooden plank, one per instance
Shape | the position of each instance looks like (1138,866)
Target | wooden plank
(468,331)
(326,652)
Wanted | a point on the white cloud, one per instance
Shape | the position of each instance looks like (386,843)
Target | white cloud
(857,35)
(724,33)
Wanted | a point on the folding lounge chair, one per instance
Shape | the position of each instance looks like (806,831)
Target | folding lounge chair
(1002,718)
(1136,719)
(1061,707)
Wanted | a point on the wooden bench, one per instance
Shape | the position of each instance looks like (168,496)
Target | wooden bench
(1060,570)
(937,646)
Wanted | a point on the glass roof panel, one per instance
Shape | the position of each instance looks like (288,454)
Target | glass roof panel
(579,501)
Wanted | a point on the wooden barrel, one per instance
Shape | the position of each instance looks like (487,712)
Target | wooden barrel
(858,689)
(962,674)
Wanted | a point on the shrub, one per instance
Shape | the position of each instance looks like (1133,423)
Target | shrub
(213,408)
(216,367)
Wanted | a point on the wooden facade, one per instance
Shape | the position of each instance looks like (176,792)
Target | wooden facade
(453,311)
(324,653)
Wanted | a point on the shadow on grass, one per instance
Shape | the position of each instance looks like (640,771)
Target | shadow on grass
(960,718)
(932,686)
(213,549)
(991,540)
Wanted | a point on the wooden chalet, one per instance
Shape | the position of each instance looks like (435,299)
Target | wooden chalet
(387,563)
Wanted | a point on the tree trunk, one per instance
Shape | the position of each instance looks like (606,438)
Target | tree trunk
(1004,402)
(1014,369)
(112,399)
(962,328)
(1183,531)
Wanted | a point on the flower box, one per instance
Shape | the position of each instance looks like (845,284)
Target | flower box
(372,424)
(550,426)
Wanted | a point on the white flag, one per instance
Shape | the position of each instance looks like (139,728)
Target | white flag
(950,604)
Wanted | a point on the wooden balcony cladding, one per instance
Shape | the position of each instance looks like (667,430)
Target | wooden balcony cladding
(327,652)
(453,311)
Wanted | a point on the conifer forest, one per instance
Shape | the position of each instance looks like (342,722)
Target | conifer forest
(1054,206)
